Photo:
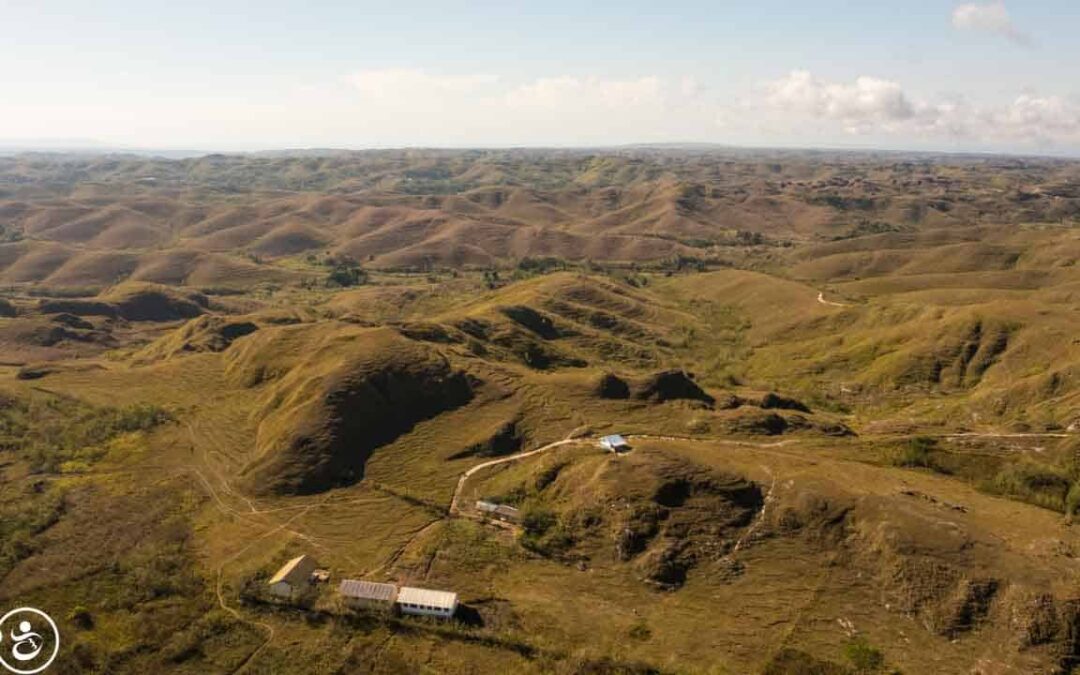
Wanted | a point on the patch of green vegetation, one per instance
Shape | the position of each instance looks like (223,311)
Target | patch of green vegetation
(344,273)
(540,265)
(640,631)
(543,531)
(10,233)
(35,509)
(1072,499)
(842,203)
(917,453)
(1035,483)
(471,547)
(47,432)
(537,520)
(715,343)
(81,618)
(871,227)
(491,279)
(864,657)
(790,661)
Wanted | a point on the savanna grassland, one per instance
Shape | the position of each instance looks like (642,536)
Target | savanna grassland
(851,384)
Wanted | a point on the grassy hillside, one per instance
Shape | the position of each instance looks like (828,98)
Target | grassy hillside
(850,384)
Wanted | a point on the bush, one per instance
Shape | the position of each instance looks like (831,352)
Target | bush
(1072,500)
(346,273)
(917,453)
(540,265)
(46,432)
(640,631)
(81,618)
(864,657)
(21,520)
(1034,483)
(544,533)
(536,521)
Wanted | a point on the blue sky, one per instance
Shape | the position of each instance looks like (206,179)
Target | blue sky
(922,74)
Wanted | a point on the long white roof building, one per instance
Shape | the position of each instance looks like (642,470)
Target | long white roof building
(427,602)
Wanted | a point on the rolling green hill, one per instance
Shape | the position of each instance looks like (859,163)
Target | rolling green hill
(850,385)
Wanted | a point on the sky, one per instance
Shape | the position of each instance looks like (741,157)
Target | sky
(986,76)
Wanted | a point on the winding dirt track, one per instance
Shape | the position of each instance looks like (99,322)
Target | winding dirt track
(455,509)
(822,300)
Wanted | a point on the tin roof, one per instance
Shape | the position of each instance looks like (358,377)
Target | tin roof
(614,439)
(500,509)
(367,590)
(427,598)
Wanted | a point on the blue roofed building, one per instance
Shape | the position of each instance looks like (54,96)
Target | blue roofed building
(614,443)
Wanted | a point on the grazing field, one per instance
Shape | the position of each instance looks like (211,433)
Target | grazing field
(850,385)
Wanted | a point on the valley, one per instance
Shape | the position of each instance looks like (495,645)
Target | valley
(850,384)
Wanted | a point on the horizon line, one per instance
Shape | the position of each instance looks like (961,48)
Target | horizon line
(96,148)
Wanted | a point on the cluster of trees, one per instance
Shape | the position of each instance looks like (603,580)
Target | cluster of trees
(344,272)
(45,433)
(10,233)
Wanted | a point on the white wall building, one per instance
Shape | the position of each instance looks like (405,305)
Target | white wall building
(424,602)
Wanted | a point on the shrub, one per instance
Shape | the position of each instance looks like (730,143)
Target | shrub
(1072,500)
(345,274)
(864,657)
(81,618)
(917,453)
(1035,483)
(21,520)
(640,631)
(540,265)
(536,521)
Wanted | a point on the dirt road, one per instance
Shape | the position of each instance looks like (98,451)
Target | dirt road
(822,300)
(454,510)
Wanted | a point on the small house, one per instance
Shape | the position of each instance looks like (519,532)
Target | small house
(425,602)
(368,594)
(501,512)
(293,578)
(614,443)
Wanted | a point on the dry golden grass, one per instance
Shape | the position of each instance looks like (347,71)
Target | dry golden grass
(871,294)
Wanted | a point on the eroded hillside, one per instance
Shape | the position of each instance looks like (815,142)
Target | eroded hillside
(847,385)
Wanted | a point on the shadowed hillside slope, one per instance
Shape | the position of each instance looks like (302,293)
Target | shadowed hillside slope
(849,387)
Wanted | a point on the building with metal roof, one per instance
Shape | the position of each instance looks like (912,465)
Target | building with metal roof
(614,443)
(359,593)
(500,511)
(426,602)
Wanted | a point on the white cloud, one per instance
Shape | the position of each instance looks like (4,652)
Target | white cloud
(557,93)
(392,83)
(873,107)
(1043,118)
(866,101)
(992,17)
(416,107)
